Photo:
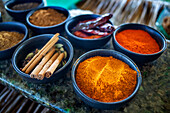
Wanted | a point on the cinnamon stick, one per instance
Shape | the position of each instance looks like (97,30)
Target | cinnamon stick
(51,40)
(42,63)
(55,64)
(44,51)
(46,66)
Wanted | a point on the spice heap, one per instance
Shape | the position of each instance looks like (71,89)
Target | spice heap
(106,79)
(166,24)
(94,28)
(44,62)
(138,41)
(25,6)
(9,39)
(47,17)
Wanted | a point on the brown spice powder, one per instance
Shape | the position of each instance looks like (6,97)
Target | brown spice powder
(46,17)
(9,39)
(106,79)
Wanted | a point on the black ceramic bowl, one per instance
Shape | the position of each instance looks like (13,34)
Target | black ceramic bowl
(12,26)
(49,29)
(137,57)
(107,53)
(38,42)
(20,15)
(84,43)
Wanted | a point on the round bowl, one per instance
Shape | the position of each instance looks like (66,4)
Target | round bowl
(104,52)
(137,57)
(49,29)
(12,26)
(38,42)
(80,42)
(20,15)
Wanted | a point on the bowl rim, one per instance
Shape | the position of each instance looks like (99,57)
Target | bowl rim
(131,52)
(20,11)
(76,37)
(139,78)
(18,24)
(44,7)
(36,37)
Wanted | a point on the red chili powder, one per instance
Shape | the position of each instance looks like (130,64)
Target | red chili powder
(137,41)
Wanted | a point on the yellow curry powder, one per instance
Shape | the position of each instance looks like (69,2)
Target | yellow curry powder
(106,79)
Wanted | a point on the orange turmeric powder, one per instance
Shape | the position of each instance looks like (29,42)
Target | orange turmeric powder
(106,79)
(138,41)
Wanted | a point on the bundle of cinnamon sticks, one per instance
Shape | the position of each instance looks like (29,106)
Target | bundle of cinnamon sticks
(45,62)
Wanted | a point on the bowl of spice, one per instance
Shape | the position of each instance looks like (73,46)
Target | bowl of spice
(11,35)
(43,58)
(18,9)
(105,79)
(50,19)
(140,42)
(89,31)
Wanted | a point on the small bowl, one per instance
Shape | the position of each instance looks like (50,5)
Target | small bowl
(137,57)
(104,52)
(84,43)
(38,42)
(49,29)
(20,15)
(12,26)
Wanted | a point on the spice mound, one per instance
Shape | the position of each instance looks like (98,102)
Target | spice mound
(25,6)
(138,41)
(9,39)
(106,79)
(47,17)
(94,28)
(43,63)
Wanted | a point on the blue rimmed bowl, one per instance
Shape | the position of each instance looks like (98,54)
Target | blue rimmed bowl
(38,42)
(84,43)
(58,28)
(20,15)
(105,53)
(15,27)
(137,57)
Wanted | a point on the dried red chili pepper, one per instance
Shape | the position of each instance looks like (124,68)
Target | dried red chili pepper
(93,37)
(80,34)
(85,36)
(107,27)
(92,23)
(96,32)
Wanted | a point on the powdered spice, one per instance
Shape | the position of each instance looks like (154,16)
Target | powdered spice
(47,17)
(9,39)
(138,41)
(106,79)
